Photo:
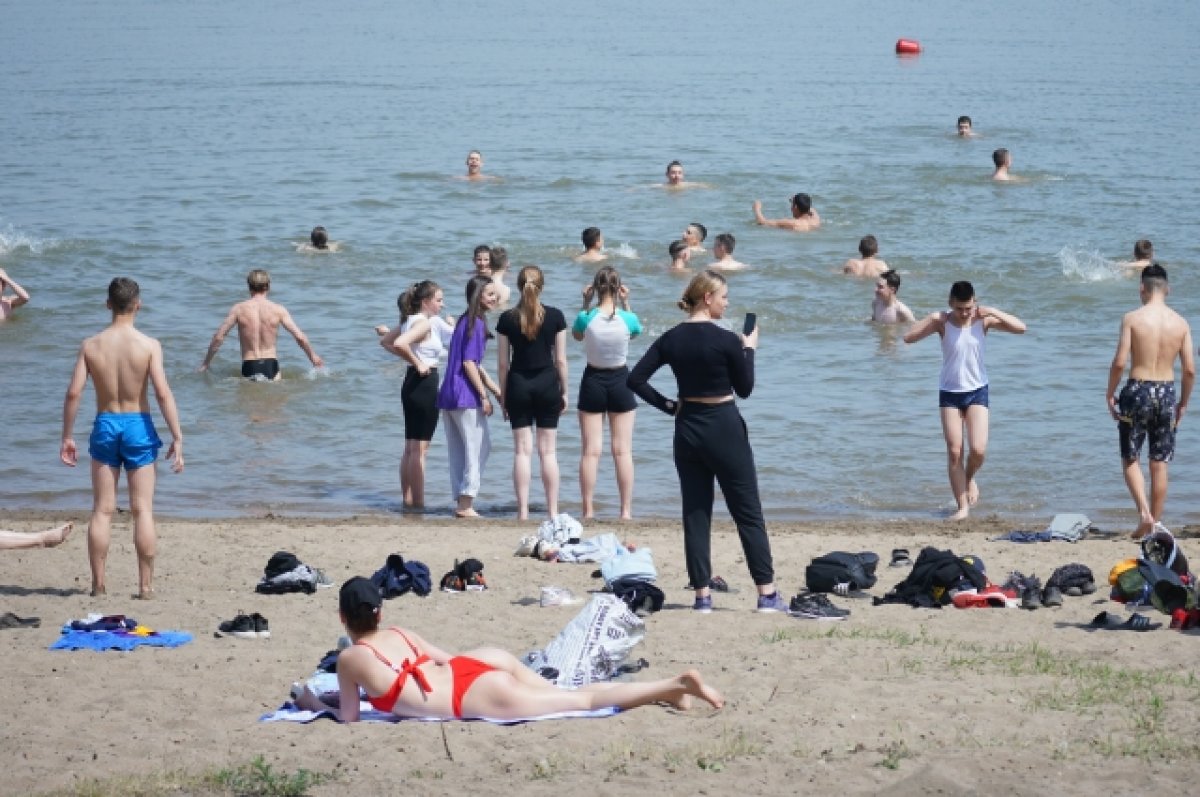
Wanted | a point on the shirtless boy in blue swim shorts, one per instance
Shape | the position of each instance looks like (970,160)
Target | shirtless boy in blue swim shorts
(120,361)
(1153,336)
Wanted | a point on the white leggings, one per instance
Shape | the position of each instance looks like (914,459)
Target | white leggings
(467,446)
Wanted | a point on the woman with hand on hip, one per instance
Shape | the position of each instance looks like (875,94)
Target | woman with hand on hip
(710,364)
(463,397)
(533,376)
(605,330)
(420,340)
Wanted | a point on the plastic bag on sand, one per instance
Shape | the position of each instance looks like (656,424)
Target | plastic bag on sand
(593,645)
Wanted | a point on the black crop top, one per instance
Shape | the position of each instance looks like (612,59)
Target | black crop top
(531,356)
(708,361)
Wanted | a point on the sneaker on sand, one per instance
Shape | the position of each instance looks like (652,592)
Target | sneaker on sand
(1052,596)
(703,605)
(769,604)
(558,596)
(241,626)
(815,606)
(261,627)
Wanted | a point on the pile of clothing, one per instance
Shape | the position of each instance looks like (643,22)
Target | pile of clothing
(285,573)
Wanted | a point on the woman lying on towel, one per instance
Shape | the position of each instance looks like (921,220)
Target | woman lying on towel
(405,675)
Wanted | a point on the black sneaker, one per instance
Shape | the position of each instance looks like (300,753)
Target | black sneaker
(241,626)
(1052,596)
(261,628)
(815,606)
(1031,594)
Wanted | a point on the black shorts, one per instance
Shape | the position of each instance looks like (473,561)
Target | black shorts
(419,398)
(533,399)
(267,368)
(604,390)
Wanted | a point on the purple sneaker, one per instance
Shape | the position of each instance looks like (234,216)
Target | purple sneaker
(771,603)
(703,605)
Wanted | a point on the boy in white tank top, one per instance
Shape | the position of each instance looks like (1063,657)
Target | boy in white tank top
(963,385)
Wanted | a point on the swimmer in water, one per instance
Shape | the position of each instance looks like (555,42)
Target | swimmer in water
(1143,255)
(694,235)
(1002,159)
(723,254)
(593,246)
(482,260)
(10,302)
(318,241)
(869,265)
(680,255)
(258,320)
(965,129)
(886,307)
(475,167)
(804,218)
(675,180)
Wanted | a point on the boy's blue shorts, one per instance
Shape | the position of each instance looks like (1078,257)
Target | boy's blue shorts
(124,438)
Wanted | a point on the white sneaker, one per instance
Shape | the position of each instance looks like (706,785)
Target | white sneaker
(526,546)
(558,596)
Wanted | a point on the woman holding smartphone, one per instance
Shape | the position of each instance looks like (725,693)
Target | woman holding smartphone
(711,364)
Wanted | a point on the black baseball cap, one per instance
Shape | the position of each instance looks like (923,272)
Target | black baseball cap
(359,591)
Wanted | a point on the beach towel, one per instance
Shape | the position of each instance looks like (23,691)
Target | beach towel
(322,683)
(119,640)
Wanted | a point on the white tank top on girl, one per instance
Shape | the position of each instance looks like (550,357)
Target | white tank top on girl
(962,358)
(431,348)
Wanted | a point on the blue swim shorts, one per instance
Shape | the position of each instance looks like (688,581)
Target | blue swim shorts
(124,438)
(960,401)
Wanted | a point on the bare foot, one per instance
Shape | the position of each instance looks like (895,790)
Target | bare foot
(694,685)
(972,493)
(144,595)
(626,516)
(463,514)
(98,592)
(1143,529)
(53,537)
(308,701)
(684,702)
(961,514)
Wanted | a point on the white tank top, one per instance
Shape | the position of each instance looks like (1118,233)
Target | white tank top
(962,358)
(430,348)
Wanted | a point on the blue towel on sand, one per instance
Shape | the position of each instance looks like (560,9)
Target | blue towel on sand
(1025,536)
(288,712)
(107,640)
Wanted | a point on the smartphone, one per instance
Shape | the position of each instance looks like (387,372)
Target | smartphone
(748,324)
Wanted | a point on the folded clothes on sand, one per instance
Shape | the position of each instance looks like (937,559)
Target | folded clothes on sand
(119,640)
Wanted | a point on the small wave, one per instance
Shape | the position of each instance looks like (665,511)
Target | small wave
(625,251)
(1088,265)
(12,241)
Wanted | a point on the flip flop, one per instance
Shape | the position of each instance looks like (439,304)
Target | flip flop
(10,620)
(1136,622)
(900,558)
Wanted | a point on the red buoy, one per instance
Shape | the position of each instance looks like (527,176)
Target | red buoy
(908,47)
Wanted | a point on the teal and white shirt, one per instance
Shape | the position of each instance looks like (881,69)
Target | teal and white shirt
(606,337)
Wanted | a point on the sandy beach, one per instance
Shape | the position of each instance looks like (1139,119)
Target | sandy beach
(895,700)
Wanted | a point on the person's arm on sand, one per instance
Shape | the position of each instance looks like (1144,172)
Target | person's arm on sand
(219,337)
(926,327)
(1118,367)
(1187,378)
(67,451)
(166,404)
(1001,320)
(301,340)
(401,344)
(503,356)
(22,295)
(560,364)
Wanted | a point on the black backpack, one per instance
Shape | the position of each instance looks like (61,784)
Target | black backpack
(839,567)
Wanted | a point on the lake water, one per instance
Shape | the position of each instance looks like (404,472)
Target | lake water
(183,144)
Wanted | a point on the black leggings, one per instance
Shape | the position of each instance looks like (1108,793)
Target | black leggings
(711,441)
(418,397)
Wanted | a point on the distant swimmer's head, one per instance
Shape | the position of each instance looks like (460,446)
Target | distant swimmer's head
(483,259)
(124,295)
(421,297)
(962,300)
(258,281)
(801,205)
(723,244)
(868,246)
(607,282)
(695,233)
(499,259)
(707,291)
(964,126)
(1001,158)
(592,238)
(1154,279)
(679,250)
(1143,250)
(319,238)
(888,284)
(474,162)
(674,173)
(359,602)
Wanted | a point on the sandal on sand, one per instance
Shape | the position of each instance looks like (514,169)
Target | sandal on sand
(1136,622)
(10,620)
(900,558)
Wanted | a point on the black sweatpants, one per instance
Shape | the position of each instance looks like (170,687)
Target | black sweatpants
(711,441)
